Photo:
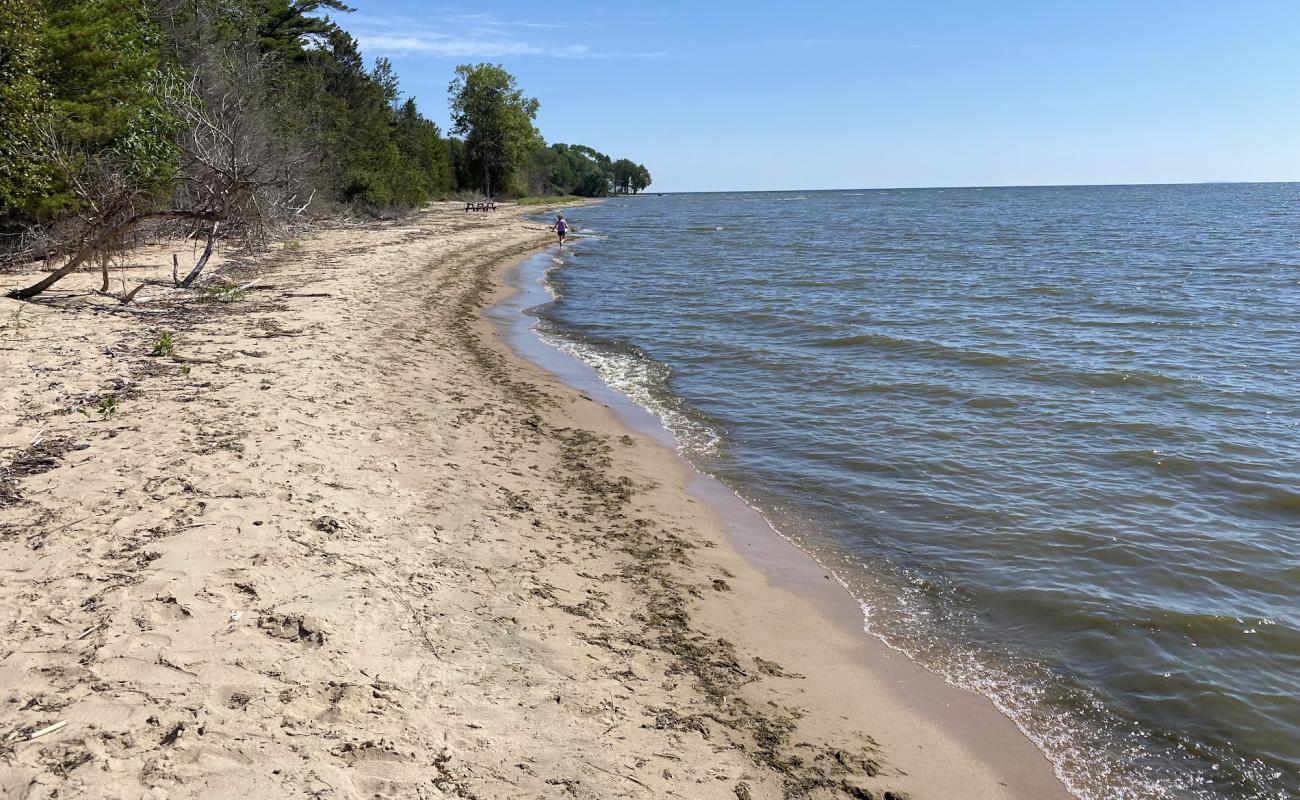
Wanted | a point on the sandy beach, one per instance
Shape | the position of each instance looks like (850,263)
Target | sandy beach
(342,542)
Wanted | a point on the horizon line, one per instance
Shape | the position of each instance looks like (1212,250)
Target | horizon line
(969,186)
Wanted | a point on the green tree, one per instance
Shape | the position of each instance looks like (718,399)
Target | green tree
(491,112)
(424,152)
(101,61)
(640,178)
(461,167)
(81,101)
(538,170)
(624,172)
(569,169)
(137,144)
(364,157)
(286,26)
(25,176)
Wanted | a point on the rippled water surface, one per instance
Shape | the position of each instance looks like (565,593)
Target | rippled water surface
(1050,438)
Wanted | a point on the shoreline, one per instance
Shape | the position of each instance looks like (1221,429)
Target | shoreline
(343,542)
(965,722)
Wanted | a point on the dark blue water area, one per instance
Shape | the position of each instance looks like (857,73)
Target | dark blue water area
(1049,437)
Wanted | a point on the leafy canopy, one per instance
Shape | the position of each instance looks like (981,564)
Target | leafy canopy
(496,119)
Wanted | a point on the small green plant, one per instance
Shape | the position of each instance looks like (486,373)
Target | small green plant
(16,321)
(185,370)
(292,245)
(223,291)
(164,344)
(107,407)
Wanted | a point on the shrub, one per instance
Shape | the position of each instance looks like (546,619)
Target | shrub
(163,345)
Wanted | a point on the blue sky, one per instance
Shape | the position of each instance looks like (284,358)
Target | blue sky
(765,95)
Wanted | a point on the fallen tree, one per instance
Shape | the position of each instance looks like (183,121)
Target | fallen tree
(228,179)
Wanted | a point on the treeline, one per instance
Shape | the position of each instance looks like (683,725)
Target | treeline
(503,151)
(229,117)
(578,169)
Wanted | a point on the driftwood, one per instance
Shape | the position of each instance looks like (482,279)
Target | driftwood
(88,631)
(105,240)
(203,260)
(67,525)
(129,296)
(16,735)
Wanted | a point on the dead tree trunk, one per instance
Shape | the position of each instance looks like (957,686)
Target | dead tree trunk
(203,259)
(78,258)
(129,296)
(103,242)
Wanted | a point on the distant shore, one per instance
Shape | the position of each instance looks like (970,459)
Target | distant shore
(343,540)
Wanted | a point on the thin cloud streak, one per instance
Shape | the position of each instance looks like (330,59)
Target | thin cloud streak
(486,37)
(453,47)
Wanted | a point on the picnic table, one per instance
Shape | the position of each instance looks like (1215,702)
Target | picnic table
(488,206)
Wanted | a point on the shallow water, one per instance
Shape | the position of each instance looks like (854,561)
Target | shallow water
(1047,436)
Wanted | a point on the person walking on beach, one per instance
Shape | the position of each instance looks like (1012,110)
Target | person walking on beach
(561,228)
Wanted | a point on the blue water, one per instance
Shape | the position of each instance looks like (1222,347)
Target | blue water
(1049,437)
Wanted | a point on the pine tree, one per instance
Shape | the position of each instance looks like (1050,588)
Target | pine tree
(25,177)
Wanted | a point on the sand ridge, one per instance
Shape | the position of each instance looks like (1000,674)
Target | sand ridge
(340,544)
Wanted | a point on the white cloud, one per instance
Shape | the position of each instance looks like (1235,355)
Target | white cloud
(435,44)
(476,36)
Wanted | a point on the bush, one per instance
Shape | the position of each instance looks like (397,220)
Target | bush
(223,291)
(164,345)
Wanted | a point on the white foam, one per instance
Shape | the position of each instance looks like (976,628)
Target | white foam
(634,377)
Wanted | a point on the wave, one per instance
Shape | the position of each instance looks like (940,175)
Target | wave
(1030,368)
(647,382)
(1046,291)
(1275,501)
(1135,323)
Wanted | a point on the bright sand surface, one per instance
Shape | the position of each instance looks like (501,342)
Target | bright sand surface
(343,542)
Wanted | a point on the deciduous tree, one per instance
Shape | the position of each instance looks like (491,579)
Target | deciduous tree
(496,119)
(640,178)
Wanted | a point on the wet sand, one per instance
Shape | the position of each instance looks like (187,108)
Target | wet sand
(344,542)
